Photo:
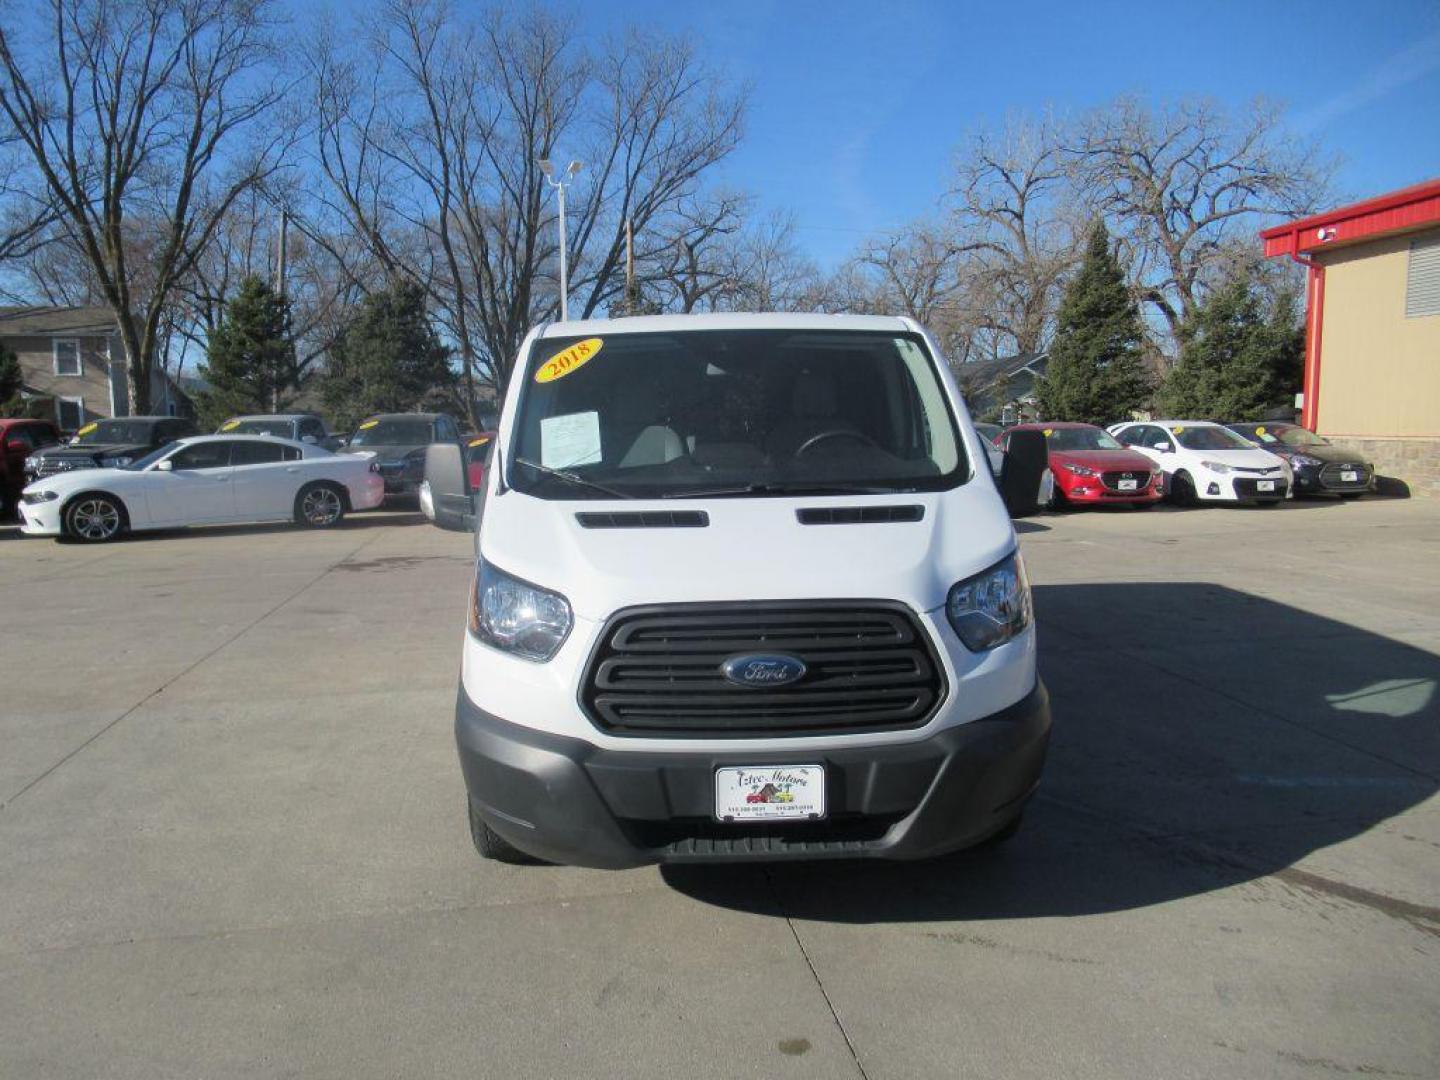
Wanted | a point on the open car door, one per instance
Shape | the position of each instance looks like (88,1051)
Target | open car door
(449,480)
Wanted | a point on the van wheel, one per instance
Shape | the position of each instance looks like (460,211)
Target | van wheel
(319,506)
(1182,490)
(491,845)
(1012,827)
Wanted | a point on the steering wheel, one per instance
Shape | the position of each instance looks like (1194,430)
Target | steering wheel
(834,433)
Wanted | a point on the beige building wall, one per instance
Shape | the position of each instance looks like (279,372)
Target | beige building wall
(1379,371)
(37,366)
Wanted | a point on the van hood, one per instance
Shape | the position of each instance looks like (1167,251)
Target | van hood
(752,549)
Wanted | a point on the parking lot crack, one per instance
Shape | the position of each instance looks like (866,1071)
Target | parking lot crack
(106,728)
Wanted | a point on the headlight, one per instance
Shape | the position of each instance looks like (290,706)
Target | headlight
(516,617)
(1304,460)
(32,463)
(33,497)
(1216,467)
(1078,470)
(992,607)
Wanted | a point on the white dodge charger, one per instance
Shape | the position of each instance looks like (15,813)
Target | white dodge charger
(208,480)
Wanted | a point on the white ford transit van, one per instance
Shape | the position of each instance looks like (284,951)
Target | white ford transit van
(745,590)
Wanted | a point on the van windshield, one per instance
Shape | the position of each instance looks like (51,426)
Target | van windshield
(737,412)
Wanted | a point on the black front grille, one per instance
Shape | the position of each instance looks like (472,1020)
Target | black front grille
(1111,480)
(1246,488)
(51,466)
(1330,476)
(657,670)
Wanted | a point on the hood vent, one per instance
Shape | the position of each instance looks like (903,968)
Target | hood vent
(644,519)
(858,515)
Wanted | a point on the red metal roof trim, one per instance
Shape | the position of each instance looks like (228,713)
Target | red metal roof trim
(1407,208)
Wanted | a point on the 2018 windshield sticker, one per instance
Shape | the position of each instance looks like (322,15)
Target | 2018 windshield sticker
(230,425)
(567,360)
(1259,431)
(1176,430)
(87,429)
(367,425)
(1049,432)
(481,441)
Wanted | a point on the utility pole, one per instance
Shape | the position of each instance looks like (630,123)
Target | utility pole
(280,271)
(548,169)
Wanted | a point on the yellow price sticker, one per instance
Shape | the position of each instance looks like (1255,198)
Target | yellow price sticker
(87,429)
(568,360)
(229,425)
(367,425)
(1259,431)
(480,441)
(1049,432)
(1176,430)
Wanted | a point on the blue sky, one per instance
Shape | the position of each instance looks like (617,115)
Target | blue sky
(857,107)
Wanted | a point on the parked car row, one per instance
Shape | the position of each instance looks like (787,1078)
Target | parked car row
(146,472)
(1138,463)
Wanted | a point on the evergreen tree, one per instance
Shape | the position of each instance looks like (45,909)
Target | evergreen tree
(250,364)
(1095,374)
(388,359)
(1237,361)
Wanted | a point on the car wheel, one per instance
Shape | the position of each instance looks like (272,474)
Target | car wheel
(319,506)
(93,518)
(491,845)
(1182,490)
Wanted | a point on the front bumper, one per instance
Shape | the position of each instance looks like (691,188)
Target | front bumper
(1090,490)
(1241,489)
(1327,479)
(566,800)
(40,519)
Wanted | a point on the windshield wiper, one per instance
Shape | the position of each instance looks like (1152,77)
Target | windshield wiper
(573,478)
(794,487)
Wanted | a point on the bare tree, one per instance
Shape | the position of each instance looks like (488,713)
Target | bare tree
(1016,212)
(1176,182)
(431,143)
(132,118)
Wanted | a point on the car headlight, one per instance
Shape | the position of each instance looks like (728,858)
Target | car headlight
(1078,470)
(992,607)
(1304,460)
(33,497)
(32,463)
(1216,467)
(516,617)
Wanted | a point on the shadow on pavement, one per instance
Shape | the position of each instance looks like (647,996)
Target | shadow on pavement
(1203,738)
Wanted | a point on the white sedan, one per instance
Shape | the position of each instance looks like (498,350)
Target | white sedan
(208,480)
(1207,462)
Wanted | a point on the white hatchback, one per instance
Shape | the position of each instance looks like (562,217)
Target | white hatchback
(1207,462)
(208,480)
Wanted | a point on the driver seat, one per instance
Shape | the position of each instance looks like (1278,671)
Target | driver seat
(814,403)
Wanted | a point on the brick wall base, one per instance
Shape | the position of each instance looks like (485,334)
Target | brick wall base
(1416,461)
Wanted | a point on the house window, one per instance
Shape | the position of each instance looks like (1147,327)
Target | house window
(1422,284)
(70,412)
(67,357)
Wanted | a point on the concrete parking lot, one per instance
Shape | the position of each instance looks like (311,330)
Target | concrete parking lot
(232,838)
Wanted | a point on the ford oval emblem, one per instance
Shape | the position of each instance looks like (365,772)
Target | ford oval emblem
(763,669)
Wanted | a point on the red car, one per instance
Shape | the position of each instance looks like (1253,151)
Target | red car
(18,440)
(477,451)
(1090,467)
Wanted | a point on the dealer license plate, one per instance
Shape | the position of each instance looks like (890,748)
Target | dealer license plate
(1264,485)
(1128,485)
(770,792)
(1350,477)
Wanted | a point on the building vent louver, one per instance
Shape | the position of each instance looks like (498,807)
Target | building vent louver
(1422,283)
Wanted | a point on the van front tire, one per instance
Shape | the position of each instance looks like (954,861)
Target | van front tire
(491,845)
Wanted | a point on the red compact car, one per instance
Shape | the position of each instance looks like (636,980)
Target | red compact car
(1090,467)
(477,452)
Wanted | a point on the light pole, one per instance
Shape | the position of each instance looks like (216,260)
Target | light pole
(548,168)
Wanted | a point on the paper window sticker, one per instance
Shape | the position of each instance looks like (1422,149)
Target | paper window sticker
(570,440)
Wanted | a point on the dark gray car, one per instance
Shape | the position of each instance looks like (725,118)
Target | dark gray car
(398,441)
(302,427)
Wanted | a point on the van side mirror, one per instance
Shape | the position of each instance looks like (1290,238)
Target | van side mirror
(449,482)
(1026,459)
